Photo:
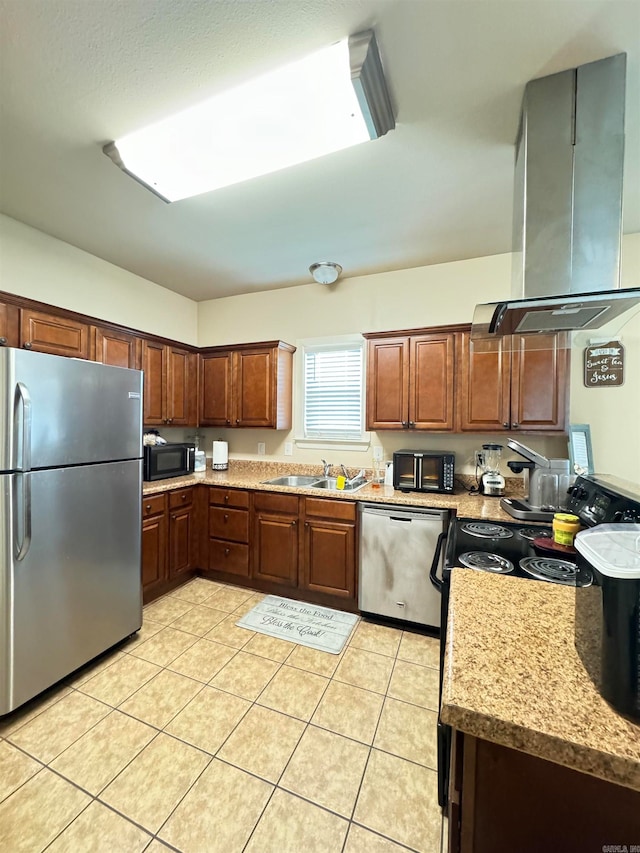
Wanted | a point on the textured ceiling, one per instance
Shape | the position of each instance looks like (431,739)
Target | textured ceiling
(77,73)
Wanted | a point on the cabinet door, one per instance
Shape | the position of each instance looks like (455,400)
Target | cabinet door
(329,558)
(154,553)
(275,548)
(484,384)
(181,387)
(154,364)
(116,348)
(56,335)
(431,398)
(8,325)
(253,388)
(215,389)
(181,541)
(539,382)
(388,383)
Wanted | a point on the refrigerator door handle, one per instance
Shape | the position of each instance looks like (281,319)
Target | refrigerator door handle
(23,401)
(22,515)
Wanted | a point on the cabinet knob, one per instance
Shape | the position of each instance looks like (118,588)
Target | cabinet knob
(227,421)
(3,341)
(227,551)
(174,517)
(237,420)
(226,517)
(184,497)
(293,523)
(506,424)
(412,424)
(306,524)
(148,507)
(169,420)
(515,425)
(405,424)
(226,498)
(27,344)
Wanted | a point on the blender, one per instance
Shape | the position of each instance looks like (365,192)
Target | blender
(491,480)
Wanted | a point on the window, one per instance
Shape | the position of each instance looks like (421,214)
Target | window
(333,397)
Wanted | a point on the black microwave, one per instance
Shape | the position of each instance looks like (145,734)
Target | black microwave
(168,460)
(423,471)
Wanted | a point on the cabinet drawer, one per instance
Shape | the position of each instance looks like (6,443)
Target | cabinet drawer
(153,505)
(228,497)
(229,524)
(231,557)
(326,508)
(181,497)
(276,502)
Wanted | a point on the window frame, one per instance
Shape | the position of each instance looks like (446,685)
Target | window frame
(335,342)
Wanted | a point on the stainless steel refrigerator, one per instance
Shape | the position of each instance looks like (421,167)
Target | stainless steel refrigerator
(70,516)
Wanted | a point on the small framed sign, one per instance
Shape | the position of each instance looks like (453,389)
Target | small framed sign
(604,365)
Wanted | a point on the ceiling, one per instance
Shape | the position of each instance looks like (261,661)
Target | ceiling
(75,74)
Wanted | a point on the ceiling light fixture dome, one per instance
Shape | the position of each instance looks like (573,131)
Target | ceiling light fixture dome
(325,272)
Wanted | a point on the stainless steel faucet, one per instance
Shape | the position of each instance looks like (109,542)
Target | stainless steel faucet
(326,468)
(345,472)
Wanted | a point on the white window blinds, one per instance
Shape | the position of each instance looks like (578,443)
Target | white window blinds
(333,392)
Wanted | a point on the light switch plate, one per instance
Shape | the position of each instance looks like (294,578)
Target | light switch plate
(262,448)
(288,448)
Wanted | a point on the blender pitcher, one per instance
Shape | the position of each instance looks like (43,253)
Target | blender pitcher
(491,481)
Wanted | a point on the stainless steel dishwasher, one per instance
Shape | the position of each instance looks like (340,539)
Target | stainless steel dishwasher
(397,549)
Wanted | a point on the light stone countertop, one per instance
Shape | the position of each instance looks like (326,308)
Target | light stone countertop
(513,676)
(249,475)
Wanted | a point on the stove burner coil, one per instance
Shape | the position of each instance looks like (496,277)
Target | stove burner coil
(556,571)
(531,533)
(484,530)
(486,562)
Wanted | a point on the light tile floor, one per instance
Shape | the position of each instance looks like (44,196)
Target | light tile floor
(200,736)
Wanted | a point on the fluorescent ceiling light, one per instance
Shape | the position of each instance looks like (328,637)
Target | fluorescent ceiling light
(332,99)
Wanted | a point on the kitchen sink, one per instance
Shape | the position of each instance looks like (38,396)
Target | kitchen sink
(292,481)
(330,484)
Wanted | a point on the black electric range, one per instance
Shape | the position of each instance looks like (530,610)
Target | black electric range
(507,548)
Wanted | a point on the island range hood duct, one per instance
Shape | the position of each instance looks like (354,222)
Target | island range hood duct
(567,207)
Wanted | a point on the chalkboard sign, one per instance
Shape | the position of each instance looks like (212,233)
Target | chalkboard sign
(604,365)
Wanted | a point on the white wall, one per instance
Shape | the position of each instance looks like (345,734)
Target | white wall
(37,266)
(613,413)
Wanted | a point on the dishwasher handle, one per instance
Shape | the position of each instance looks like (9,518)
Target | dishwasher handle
(435,580)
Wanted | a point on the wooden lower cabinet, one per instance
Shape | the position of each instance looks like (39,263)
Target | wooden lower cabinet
(505,800)
(228,527)
(328,556)
(155,539)
(182,535)
(275,538)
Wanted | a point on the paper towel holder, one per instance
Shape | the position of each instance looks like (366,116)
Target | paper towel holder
(220,456)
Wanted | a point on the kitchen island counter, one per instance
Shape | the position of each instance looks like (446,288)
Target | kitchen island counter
(512,676)
(250,475)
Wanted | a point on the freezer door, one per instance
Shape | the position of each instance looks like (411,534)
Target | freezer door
(57,411)
(70,572)
(397,548)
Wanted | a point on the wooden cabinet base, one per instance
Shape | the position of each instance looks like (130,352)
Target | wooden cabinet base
(165,586)
(513,801)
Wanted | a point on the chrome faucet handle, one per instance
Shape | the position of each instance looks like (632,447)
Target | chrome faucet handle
(326,467)
(345,472)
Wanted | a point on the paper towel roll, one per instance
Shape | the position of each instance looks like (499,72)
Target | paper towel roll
(220,456)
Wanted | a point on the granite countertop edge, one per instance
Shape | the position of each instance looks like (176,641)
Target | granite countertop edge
(533,693)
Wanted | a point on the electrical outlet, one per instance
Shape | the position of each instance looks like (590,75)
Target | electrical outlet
(478,455)
(262,448)
(377,453)
(288,448)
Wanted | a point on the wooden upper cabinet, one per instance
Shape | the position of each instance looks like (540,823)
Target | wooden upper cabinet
(388,383)
(410,381)
(484,387)
(117,348)
(9,322)
(215,388)
(247,386)
(539,376)
(154,364)
(170,385)
(431,387)
(513,383)
(56,335)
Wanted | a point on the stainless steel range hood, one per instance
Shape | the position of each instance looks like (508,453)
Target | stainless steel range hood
(567,207)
